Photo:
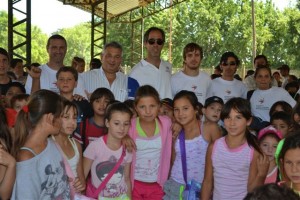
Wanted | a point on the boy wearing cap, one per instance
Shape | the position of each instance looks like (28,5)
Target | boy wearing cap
(268,139)
(212,109)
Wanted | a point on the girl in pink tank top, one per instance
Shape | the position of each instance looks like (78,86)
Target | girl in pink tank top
(235,164)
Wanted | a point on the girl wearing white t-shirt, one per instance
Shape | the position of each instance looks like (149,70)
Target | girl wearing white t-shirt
(102,154)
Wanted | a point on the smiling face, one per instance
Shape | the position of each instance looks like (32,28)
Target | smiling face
(99,105)
(118,125)
(154,50)
(184,112)
(111,60)
(236,124)
(57,50)
(291,165)
(147,108)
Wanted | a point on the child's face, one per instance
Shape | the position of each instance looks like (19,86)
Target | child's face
(99,106)
(66,82)
(12,91)
(19,104)
(236,123)
(69,121)
(165,110)
(291,165)
(212,112)
(118,125)
(184,111)
(281,125)
(147,108)
(268,145)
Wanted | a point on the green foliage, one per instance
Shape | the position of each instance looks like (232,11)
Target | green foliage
(217,25)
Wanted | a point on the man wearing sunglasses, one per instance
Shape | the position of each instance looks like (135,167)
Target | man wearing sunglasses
(153,70)
(191,78)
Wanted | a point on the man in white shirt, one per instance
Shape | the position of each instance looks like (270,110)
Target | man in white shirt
(109,76)
(153,70)
(44,77)
(191,78)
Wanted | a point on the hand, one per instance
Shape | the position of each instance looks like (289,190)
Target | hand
(263,165)
(34,72)
(88,94)
(78,97)
(176,128)
(78,186)
(129,144)
(6,159)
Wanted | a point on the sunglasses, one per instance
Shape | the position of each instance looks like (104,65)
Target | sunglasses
(158,41)
(231,64)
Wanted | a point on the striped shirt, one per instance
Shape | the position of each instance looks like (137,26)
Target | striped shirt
(230,170)
(96,78)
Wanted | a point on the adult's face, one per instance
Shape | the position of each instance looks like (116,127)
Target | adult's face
(3,64)
(111,59)
(57,50)
(193,59)
(229,67)
(153,44)
(260,62)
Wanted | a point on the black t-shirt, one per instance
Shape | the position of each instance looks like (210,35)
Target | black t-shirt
(4,87)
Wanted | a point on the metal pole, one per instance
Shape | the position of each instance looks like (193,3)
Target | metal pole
(253,32)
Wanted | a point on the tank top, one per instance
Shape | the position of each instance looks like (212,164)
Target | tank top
(230,170)
(195,159)
(272,176)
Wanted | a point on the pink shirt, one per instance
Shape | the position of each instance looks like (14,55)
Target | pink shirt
(104,160)
(230,170)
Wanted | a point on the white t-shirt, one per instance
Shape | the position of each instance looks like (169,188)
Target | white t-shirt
(197,84)
(48,81)
(159,78)
(262,101)
(227,89)
(96,78)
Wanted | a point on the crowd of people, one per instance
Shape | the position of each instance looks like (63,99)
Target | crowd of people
(71,133)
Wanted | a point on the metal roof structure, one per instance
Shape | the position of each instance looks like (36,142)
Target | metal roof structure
(102,11)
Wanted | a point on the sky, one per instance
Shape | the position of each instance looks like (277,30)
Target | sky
(51,15)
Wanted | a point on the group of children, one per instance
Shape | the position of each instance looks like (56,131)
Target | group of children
(139,150)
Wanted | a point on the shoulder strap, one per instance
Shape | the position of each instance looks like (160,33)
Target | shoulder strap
(111,173)
(183,154)
(28,149)
(249,94)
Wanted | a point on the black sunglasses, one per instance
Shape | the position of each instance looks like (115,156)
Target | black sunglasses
(158,41)
(231,63)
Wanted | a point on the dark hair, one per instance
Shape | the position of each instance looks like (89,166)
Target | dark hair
(40,103)
(261,57)
(15,61)
(95,63)
(102,92)
(228,54)
(272,191)
(243,107)
(104,168)
(117,107)
(18,97)
(67,105)
(147,33)
(5,135)
(191,97)
(72,70)
(282,115)
(113,44)
(4,52)
(261,67)
(191,47)
(18,85)
(146,91)
(55,37)
(285,106)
